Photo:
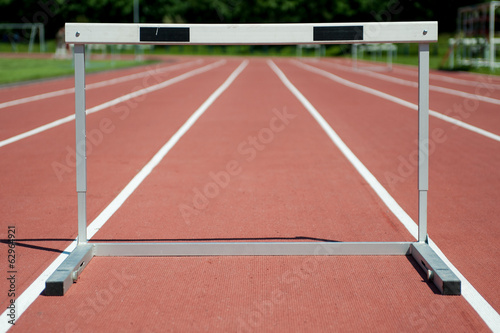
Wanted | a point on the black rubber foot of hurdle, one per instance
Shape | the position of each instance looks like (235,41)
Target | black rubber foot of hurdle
(67,273)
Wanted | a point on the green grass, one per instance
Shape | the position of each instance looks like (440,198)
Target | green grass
(25,69)
(50,47)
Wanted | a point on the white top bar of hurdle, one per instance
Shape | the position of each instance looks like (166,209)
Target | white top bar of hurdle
(245,34)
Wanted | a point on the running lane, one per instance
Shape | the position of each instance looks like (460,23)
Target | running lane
(24,117)
(286,180)
(38,193)
(466,108)
(481,88)
(464,171)
(279,155)
(24,90)
(473,83)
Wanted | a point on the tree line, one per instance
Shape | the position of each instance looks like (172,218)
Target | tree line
(54,13)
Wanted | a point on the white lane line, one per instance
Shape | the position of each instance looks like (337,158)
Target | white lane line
(37,97)
(481,79)
(113,102)
(490,316)
(98,84)
(397,100)
(377,187)
(34,290)
(137,180)
(415,85)
(478,303)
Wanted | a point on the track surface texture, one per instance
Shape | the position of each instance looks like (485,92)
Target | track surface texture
(255,166)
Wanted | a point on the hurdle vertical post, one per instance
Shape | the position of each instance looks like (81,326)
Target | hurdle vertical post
(437,271)
(67,273)
(81,146)
(423,139)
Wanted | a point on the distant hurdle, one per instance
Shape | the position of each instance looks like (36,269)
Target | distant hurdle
(319,49)
(422,33)
(376,51)
(477,41)
(15,32)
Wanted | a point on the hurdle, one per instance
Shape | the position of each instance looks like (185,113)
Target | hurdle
(358,51)
(81,34)
(35,28)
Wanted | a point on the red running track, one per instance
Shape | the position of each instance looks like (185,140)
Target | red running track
(294,183)
(469,108)
(464,173)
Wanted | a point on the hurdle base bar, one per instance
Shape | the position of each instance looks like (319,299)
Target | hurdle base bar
(67,273)
(436,269)
(250,249)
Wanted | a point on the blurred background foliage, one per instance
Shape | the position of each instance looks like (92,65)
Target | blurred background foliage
(54,13)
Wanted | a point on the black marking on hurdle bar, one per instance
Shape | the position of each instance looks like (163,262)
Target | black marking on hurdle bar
(152,34)
(338,33)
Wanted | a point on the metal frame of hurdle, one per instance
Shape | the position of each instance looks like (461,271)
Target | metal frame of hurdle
(422,33)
